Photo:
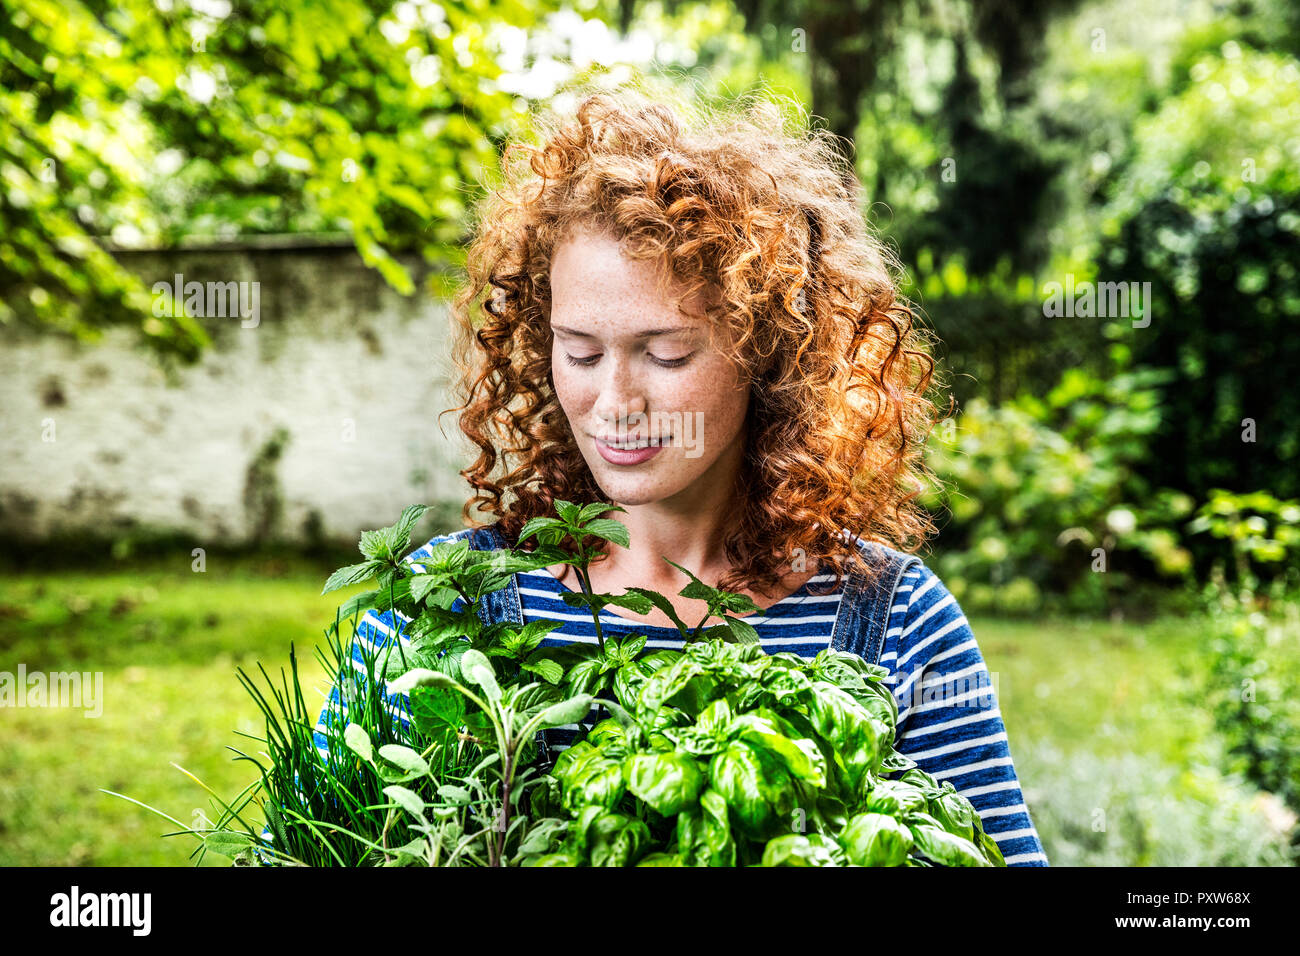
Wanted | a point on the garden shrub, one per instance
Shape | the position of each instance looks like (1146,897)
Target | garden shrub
(1037,486)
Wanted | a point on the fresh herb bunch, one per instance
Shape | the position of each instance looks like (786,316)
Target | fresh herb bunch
(715,755)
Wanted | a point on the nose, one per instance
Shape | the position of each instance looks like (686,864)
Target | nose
(621,401)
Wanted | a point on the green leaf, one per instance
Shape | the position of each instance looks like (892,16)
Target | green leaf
(955,813)
(613,839)
(477,669)
(697,589)
(398,536)
(756,786)
(632,600)
(545,668)
(717,838)
(420,677)
(541,836)
(801,757)
(594,509)
(374,545)
(742,631)
(404,757)
(454,794)
(876,839)
(569,711)
(532,634)
(588,778)
(661,859)
(795,849)
(227,843)
(947,849)
(584,676)
(669,782)
(895,798)
(583,600)
(409,854)
(423,584)
(392,592)
(535,525)
(855,734)
(437,710)
(352,574)
(662,603)
(609,529)
(408,800)
(358,741)
(737,603)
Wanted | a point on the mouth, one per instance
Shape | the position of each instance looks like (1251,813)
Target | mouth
(634,444)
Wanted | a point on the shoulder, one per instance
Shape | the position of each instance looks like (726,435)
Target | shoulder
(922,610)
(925,619)
(888,565)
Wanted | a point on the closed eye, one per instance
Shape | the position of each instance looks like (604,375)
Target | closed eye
(590,360)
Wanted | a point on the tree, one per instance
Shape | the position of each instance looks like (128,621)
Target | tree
(143,121)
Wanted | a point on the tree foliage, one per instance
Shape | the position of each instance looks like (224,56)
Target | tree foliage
(148,122)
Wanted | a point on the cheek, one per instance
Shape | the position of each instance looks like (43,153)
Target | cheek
(568,387)
(720,400)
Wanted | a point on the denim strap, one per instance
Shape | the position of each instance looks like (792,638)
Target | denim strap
(502,605)
(867,601)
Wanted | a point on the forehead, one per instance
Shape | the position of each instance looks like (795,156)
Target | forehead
(598,288)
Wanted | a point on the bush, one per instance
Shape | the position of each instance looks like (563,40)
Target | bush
(1254,669)
(1258,540)
(1206,207)
(1045,493)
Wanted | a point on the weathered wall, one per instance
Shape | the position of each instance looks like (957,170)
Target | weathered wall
(96,440)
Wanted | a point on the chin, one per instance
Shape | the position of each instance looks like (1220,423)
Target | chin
(632,497)
(630,492)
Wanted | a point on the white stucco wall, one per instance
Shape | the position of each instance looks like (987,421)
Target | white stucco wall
(130,449)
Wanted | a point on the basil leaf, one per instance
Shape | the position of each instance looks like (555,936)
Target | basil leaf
(756,786)
(666,781)
(795,849)
(947,848)
(876,839)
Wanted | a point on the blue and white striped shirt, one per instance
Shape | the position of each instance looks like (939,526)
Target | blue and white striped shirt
(949,721)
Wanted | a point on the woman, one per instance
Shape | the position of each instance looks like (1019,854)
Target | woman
(691,320)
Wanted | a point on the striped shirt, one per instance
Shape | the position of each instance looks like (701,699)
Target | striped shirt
(949,721)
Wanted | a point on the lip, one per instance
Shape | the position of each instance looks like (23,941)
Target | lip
(617,456)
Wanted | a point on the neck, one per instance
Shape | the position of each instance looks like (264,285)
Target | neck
(687,527)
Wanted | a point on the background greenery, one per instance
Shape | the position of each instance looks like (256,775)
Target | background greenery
(1118,503)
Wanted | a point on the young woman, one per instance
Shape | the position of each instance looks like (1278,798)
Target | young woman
(685,315)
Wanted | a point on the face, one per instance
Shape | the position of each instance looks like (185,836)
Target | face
(631,367)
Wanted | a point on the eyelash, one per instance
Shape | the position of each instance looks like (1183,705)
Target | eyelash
(590,360)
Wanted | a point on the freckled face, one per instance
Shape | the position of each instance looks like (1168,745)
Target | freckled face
(629,365)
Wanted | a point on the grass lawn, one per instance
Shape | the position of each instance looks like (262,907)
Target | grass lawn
(168,641)
(1112,688)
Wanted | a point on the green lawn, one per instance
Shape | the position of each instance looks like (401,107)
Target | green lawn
(1114,688)
(168,641)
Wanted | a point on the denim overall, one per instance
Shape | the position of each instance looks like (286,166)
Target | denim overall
(859,626)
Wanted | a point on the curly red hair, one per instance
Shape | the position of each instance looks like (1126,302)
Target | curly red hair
(768,223)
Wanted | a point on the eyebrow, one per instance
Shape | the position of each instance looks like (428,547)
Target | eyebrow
(647,333)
